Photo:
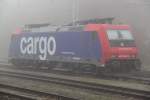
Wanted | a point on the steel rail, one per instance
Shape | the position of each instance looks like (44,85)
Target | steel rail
(142,76)
(145,79)
(30,94)
(94,87)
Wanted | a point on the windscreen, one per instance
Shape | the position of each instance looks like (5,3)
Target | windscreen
(119,38)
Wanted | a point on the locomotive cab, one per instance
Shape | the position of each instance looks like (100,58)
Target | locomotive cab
(118,46)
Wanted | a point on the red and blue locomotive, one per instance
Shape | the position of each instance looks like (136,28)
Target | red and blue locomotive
(90,47)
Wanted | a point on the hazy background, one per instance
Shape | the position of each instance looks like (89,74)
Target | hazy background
(16,13)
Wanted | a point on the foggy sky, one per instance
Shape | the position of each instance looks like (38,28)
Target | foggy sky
(16,13)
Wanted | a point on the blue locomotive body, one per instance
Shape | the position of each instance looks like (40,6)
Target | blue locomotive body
(56,46)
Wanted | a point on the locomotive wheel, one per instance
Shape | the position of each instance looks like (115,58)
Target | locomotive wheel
(114,66)
(20,63)
(15,62)
(137,65)
(87,68)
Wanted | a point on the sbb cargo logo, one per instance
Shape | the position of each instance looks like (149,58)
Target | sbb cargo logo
(42,45)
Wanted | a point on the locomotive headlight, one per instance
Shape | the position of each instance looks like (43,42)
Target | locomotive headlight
(133,56)
(114,56)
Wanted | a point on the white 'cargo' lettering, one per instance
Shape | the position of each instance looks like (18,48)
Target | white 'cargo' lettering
(51,45)
(23,41)
(36,40)
(42,46)
(30,45)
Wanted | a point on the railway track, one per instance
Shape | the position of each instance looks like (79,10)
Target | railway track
(6,96)
(137,76)
(142,76)
(79,83)
(29,94)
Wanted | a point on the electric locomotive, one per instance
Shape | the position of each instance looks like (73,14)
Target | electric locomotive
(87,46)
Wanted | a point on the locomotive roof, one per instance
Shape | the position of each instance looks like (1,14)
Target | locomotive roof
(53,28)
(77,26)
